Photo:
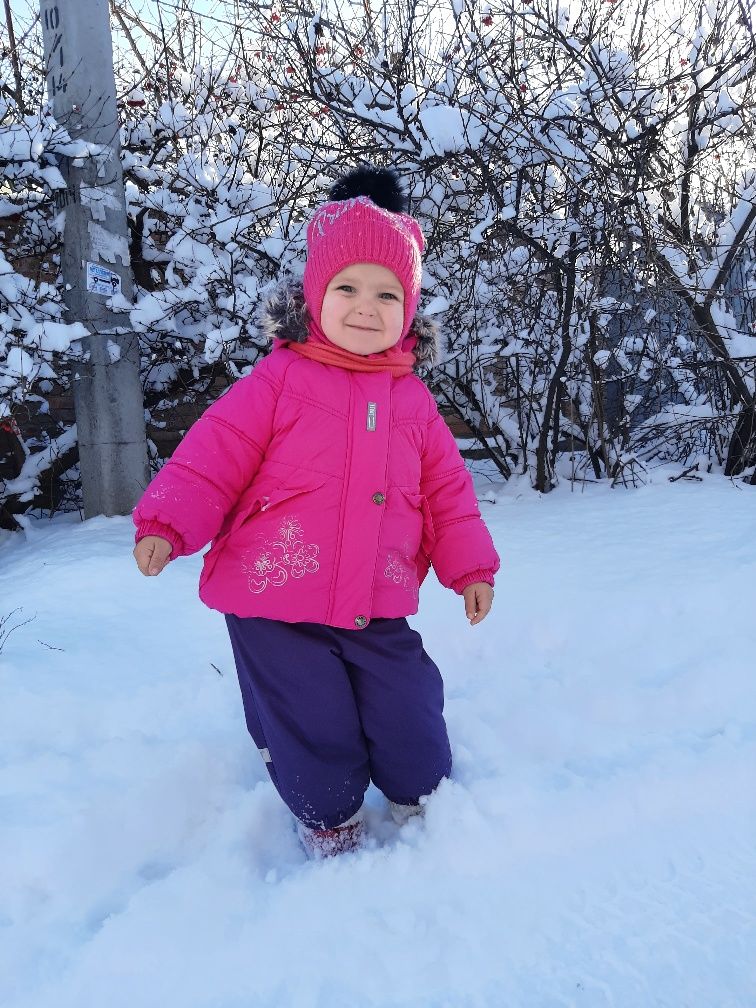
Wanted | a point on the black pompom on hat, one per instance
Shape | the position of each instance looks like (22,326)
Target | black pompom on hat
(381,185)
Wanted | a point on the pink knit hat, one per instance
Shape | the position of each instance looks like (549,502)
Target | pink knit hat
(364,223)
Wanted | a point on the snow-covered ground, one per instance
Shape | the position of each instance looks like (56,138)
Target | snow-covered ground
(596,847)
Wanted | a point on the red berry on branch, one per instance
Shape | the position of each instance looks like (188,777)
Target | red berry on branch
(488,20)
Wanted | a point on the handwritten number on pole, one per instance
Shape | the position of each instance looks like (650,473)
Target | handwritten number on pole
(57,83)
(52,18)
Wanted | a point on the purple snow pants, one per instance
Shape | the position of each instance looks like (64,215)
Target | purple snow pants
(330,710)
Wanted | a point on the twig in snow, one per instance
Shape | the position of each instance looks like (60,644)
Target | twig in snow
(6,631)
(687,474)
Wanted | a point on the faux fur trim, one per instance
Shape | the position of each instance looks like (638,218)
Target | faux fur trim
(283,315)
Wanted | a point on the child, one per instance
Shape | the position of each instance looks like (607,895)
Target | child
(329,483)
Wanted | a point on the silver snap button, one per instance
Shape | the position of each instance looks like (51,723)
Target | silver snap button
(379,498)
(360,621)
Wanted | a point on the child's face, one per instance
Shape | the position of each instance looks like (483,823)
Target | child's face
(363,309)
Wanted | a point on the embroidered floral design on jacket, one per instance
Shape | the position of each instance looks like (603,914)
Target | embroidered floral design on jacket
(277,561)
(396,570)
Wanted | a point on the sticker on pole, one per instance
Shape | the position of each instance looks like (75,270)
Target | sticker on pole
(102,281)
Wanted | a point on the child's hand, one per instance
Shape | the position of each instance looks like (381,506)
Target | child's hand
(478,601)
(152,554)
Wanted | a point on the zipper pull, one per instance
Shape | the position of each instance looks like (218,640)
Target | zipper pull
(372,410)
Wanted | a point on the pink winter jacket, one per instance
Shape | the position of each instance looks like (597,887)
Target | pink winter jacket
(327,494)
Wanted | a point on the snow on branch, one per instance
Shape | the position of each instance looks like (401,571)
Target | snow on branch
(26,485)
(731,237)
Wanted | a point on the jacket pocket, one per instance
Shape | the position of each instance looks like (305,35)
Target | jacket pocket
(286,491)
(269,494)
(420,503)
(429,530)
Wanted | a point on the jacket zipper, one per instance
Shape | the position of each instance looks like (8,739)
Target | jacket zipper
(342,505)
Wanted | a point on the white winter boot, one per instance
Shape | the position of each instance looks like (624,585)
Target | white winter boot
(402,813)
(322,843)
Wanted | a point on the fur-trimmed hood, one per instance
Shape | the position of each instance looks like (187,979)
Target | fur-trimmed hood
(283,315)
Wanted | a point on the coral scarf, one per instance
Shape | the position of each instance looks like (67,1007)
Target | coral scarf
(399,360)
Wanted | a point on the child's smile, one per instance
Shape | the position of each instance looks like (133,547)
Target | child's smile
(363,309)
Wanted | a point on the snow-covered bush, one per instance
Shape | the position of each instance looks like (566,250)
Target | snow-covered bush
(36,340)
(563,164)
(581,176)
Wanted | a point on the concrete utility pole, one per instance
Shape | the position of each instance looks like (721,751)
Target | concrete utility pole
(95,260)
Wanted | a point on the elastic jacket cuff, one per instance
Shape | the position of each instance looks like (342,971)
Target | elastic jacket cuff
(156,528)
(473,578)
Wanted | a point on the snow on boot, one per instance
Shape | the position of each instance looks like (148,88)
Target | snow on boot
(402,813)
(322,843)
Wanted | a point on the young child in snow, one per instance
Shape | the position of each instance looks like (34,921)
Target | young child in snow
(329,483)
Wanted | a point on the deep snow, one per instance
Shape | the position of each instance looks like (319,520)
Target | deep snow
(596,847)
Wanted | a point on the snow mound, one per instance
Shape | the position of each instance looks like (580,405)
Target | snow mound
(595,846)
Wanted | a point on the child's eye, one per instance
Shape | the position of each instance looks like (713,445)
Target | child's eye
(349,289)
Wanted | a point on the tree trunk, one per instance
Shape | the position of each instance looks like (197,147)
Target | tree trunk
(546,450)
(741,453)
